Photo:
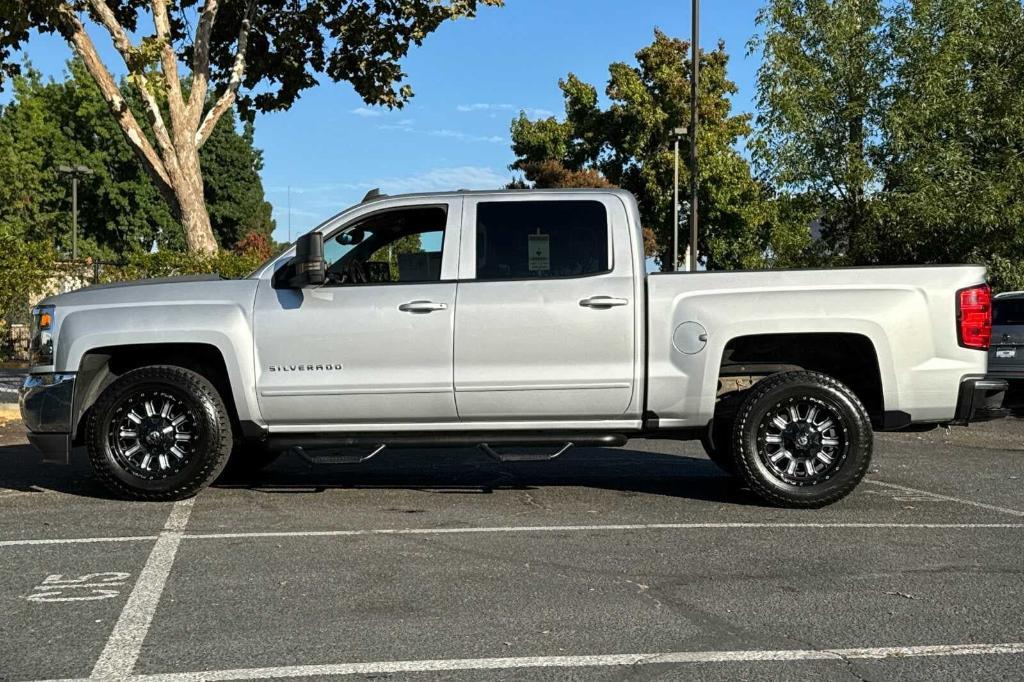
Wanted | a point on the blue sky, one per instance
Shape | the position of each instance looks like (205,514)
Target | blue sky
(471,78)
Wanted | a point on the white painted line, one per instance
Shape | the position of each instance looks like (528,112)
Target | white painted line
(608,660)
(947,498)
(616,527)
(122,650)
(75,541)
(526,529)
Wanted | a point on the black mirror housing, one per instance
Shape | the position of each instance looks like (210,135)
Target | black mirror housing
(306,268)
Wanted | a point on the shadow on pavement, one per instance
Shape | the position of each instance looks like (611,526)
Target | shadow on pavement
(446,472)
(468,471)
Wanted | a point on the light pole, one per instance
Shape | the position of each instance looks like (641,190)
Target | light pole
(677,134)
(74,172)
(694,81)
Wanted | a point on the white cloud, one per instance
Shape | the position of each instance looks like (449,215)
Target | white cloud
(482,106)
(532,112)
(366,112)
(445,179)
(433,180)
(538,113)
(446,132)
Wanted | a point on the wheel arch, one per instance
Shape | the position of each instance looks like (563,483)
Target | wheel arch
(852,358)
(100,366)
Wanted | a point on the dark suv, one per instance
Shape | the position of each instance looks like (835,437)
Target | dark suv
(1006,355)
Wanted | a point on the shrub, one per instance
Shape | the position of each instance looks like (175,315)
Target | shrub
(174,263)
(25,269)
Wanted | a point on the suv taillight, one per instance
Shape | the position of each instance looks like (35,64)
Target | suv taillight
(974,317)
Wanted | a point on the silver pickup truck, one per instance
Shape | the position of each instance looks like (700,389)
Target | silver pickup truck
(522,322)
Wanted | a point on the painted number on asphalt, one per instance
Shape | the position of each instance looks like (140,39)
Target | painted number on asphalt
(90,587)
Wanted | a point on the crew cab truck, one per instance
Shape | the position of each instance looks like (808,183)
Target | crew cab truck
(511,320)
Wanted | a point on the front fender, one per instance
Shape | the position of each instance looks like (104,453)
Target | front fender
(223,325)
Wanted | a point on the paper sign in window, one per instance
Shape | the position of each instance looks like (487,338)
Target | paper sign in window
(539,248)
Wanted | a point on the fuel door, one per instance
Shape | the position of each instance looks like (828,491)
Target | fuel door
(690,338)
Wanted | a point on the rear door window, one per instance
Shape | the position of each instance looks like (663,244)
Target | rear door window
(541,239)
(1008,311)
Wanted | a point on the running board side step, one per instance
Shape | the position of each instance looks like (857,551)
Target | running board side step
(523,456)
(372,444)
(337,457)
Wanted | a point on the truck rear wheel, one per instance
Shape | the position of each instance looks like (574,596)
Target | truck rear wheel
(158,433)
(802,439)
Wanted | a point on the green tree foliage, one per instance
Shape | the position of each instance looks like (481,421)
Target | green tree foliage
(899,126)
(820,95)
(120,210)
(953,136)
(628,144)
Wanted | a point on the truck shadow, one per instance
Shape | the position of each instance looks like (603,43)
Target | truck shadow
(444,472)
(468,471)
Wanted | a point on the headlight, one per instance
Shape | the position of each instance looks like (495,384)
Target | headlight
(40,346)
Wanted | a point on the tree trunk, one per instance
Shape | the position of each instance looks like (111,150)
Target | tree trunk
(196,222)
(188,194)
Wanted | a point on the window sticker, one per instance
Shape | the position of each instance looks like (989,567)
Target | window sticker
(539,248)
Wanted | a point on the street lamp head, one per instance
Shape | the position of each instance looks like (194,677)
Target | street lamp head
(76,169)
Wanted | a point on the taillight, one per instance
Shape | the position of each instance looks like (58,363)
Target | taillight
(974,317)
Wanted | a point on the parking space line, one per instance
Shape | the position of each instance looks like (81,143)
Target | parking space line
(118,658)
(947,498)
(76,541)
(608,660)
(524,529)
(596,527)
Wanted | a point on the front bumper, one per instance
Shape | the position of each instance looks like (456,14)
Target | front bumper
(46,404)
(976,394)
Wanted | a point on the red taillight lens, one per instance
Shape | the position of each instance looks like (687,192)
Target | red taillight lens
(974,317)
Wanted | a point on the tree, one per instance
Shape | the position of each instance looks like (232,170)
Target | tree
(261,53)
(120,210)
(953,134)
(628,145)
(820,98)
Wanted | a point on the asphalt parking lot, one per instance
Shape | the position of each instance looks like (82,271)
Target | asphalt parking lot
(642,562)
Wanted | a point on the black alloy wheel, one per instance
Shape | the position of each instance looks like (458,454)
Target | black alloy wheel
(802,439)
(159,432)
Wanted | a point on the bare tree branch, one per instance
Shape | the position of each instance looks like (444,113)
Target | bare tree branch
(169,66)
(201,62)
(133,132)
(227,98)
(125,48)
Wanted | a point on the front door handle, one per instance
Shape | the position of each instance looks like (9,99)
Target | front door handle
(603,302)
(422,307)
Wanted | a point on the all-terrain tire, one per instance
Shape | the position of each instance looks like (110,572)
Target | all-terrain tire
(138,399)
(825,464)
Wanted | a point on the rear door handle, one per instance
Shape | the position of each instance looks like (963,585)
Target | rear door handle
(422,307)
(603,302)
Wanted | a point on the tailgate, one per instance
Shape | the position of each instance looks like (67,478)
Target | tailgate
(1007,351)
(1006,354)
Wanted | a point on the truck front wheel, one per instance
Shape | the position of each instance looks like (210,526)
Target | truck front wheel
(802,439)
(158,433)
